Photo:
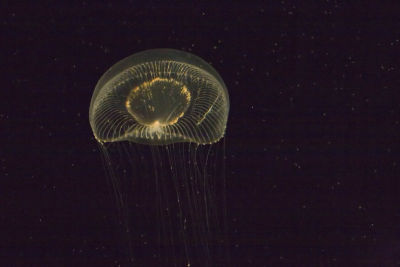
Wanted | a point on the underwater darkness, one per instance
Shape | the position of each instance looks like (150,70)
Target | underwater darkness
(312,141)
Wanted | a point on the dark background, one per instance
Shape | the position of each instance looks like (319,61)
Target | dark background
(312,138)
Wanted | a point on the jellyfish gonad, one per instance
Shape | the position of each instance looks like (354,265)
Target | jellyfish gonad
(159,117)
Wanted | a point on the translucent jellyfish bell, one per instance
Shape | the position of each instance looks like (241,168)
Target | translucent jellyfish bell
(159,97)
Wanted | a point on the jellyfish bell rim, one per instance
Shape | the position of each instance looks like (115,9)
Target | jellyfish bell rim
(157,142)
(145,56)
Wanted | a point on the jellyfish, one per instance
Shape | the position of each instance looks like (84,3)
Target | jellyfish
(158,117)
